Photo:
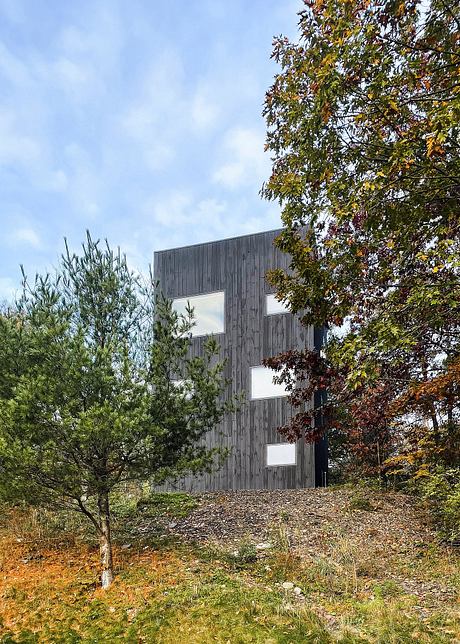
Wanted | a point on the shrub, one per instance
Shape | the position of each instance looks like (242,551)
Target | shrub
(441,489)
(246,554)
(359,501)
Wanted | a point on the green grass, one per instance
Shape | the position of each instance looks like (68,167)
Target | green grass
(175,505)
(177,593)
(189,595)
(168,597)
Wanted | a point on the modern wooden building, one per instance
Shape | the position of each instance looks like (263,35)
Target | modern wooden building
(224,281)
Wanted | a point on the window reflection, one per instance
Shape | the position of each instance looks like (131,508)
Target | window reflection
(273,306)
(262,385)
(281,454)
(208,312)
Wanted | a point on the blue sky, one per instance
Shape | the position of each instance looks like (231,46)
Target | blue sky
(137,119)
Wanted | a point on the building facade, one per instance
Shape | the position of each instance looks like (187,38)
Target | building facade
(224,281)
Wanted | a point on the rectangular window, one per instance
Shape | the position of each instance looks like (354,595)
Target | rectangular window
(185,387)
(273,306)
(262,385)
(208,312)
(281,454)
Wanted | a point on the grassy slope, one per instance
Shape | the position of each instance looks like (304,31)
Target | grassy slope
(177,592)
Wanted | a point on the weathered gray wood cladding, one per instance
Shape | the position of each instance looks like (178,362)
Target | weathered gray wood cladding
(238,267)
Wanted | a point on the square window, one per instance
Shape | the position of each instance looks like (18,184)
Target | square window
(208,312)
(262,385)
(273,306)
(281,454)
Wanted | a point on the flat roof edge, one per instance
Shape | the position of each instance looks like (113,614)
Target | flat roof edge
(218,241)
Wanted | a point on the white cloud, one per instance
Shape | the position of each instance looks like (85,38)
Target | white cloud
(111,121)
(100,40)
(84,183)
(153,120)
(77,80)
(12,68)
(174,210)
(21,150)
(7,289)
(204,112)
(210,210)
(42,108)
(74,41)
(247,163)
(23,147)
(141,123)
(137,120)
(181,209)
(166,117)
(15,145)
(159,156)
(25,236)
(230,175)
(159,95)
(205,219)
(71,73)
(58,181)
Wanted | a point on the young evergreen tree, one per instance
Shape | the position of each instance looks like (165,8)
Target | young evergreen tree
(89,398)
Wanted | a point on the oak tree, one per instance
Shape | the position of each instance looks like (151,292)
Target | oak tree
(363,127)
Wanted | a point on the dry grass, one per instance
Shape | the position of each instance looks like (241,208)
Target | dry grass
(184,592)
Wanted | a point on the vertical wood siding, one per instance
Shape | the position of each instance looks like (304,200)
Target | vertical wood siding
(238,267)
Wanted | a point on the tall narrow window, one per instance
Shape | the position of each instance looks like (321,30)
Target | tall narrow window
(274,306)
(208,312)
(281,454)
(262,385)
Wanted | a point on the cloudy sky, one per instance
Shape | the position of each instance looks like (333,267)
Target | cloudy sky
(139,120)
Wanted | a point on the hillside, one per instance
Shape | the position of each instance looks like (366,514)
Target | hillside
(337,565)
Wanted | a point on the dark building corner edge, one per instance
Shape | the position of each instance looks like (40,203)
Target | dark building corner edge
(321,447)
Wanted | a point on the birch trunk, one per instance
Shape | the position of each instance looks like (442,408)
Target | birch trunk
(105,540)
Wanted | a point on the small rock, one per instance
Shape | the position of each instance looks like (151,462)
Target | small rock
(297,590)
(288,585)
(263,546)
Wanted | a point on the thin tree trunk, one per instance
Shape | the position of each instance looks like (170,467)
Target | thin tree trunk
(450,414)
(430,405)
(105,540)
(379,463)
(434,421)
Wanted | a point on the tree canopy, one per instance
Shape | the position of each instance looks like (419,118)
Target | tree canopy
(98,387)
(363,127)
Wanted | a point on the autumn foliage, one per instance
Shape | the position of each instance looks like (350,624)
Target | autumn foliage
(363,130)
